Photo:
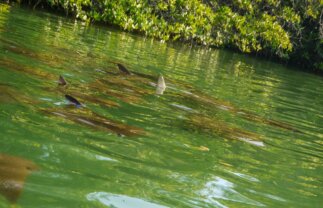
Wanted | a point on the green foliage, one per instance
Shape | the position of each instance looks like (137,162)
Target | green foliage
(290,30)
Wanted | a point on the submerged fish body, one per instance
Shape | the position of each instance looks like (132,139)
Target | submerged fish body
(209,102)
(13,173)
(125,90)
(50,59)
(91,119)
(94,99)
(10,95)
(85,116)
(130,89)
(27,70)
(202,123)
(7,95)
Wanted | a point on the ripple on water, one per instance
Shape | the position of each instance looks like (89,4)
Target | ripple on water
(228,131)
(121,201)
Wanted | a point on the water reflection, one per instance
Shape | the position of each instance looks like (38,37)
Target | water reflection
(219,109)
(219,188)
(128,90)
(121,201)
(132,89)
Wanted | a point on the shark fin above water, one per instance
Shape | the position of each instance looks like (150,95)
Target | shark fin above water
(161,85)
(123,69)
(61,81)
(73,101)
(13,173)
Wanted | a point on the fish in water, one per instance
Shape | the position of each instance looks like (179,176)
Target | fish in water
(161,85)
(13,173)
(8,94)
(123,69)
(205,124)
(91,119)
(62,81)
(73,101)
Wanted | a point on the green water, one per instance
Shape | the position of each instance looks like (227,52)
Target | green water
(229,130)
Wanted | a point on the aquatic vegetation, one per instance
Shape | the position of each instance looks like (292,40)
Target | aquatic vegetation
(13,174)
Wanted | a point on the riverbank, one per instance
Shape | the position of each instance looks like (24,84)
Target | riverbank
(282,30)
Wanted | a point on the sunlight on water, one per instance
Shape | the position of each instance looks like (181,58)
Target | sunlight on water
(95,117)
(120,201)
(223,189)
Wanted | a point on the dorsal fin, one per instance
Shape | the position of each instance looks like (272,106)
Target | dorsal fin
(161,82)
(161,85)
(61,81)
(73,100)
(123,69)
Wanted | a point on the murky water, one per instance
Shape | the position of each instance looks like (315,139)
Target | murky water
(228,131)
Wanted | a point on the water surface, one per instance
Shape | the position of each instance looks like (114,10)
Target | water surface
(229,130)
